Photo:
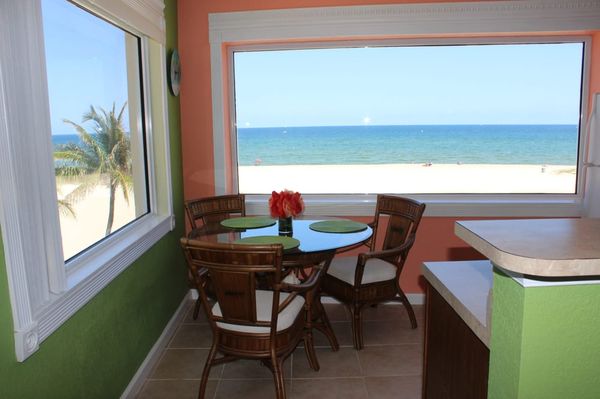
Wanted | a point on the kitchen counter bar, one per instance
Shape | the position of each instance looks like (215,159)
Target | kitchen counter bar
(466,286)
(564,248)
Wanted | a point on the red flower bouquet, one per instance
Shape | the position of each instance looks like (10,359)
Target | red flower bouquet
(285,204)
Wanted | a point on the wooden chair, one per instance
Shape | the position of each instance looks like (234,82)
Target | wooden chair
(214,209)
(201,211)
(374,276)
(248,323)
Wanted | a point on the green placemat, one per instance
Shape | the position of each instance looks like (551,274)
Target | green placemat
(248,222)
(338,226)
(288,242)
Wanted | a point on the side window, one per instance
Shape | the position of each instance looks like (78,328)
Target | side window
(97,123)
(85,180)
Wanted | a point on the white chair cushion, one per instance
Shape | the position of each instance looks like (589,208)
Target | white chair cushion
(291,279)
(375,270)
(264,302)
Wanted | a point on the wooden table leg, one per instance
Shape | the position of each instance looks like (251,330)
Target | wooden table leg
(319,321)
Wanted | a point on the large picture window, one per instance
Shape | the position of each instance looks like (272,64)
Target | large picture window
(423,118)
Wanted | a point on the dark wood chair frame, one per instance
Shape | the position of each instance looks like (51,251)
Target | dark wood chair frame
(203,211)
(404,218)
(301,263)
(233,270)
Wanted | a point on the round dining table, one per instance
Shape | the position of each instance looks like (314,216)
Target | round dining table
(316,248)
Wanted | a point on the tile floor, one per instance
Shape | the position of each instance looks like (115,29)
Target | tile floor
(389,366)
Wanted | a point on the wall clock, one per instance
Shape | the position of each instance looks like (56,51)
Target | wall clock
(174,73)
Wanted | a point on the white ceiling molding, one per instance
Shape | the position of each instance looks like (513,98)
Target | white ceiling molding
(144,16)
(492,17)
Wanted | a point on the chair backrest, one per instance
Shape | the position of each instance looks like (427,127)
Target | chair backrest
(214,209)
(404,218)
(232,270)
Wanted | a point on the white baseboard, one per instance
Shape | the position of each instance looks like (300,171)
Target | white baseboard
(414,299)
(136,383)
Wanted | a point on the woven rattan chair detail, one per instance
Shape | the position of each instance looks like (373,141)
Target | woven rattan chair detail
(249,323)
(373,277)
(202,211)
(214,209)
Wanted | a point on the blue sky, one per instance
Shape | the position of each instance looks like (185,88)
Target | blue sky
(488,84)
(508,84)
(85,62)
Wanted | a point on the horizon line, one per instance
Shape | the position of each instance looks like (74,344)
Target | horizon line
(424,124)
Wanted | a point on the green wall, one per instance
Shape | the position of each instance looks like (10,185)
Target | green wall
(507,332)
(545,341)
(98,350)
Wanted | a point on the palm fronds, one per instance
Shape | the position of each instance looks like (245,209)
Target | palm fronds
(105,150)
(65,208)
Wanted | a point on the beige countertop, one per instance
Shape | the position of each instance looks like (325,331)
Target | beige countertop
(466,286)
(537,247)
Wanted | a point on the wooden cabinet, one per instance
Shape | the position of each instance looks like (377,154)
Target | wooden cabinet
(455,360)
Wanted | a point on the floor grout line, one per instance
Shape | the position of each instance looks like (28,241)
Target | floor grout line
(217,389)
(219,378)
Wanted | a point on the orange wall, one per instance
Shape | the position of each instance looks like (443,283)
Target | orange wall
(595,82)
(595,70)
(195,97)
(435,241)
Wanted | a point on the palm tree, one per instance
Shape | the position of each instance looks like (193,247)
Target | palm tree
(66,208)
(104,155)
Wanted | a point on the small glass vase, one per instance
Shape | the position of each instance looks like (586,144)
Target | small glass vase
(285,226)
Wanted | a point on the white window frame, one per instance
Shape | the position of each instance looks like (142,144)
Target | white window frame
(43,292)
(484,22)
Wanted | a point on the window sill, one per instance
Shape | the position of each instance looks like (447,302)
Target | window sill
(89,274)
(457,205)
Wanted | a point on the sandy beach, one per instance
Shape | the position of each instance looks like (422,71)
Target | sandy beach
(408,178)
(91,212)
(88,225)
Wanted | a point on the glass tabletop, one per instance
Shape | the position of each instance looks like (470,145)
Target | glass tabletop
(310,240)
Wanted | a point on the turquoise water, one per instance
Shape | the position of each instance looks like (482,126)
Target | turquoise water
(59,139)
(442,144)
(448,144)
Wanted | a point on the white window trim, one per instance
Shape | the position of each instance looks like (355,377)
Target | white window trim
(43,295)
(484,19)
(145,16)
(592,197)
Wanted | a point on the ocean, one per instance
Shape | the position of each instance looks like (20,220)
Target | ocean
(440,144)
(59,139)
